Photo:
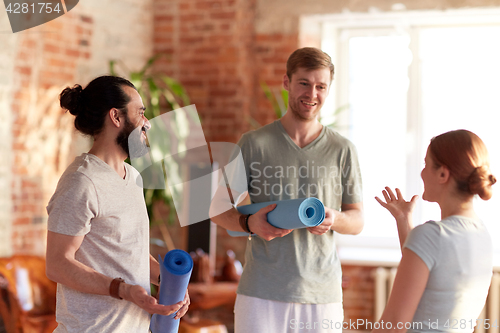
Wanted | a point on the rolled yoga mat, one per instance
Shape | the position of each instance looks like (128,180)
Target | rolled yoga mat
(288,214)
(175,271)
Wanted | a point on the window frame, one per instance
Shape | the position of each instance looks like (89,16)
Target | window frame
(335,30)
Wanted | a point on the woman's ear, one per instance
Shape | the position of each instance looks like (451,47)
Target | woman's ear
(444,174)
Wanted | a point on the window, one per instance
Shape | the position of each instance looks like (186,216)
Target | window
(407,77)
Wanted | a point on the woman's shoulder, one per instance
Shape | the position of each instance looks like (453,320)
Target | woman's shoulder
(429,229)
(449,227)
(429,225)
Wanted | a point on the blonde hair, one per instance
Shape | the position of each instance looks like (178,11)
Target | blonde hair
(310,58)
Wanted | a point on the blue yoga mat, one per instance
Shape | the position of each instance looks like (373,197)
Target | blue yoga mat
(288,214)
(175,271)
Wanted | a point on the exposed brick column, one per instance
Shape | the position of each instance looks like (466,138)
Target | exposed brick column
(210,50)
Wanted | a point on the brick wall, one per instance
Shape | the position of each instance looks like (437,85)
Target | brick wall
(209,48)
(40,139)
(271,53)
(213,49)
(42,133)
(8,41)
(359,290)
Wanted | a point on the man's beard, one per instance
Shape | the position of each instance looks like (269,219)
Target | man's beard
(295,106)
(129,139)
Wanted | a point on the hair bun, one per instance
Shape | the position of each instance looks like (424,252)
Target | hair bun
(480,182)
(70,99)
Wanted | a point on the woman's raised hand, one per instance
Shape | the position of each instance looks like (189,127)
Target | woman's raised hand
(396,205)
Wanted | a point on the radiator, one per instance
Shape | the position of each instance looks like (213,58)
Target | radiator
(384,279)
(491,310)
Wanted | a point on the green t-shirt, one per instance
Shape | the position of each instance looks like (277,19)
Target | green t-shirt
(300,267)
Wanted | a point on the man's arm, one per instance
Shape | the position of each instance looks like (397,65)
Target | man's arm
(154,268)
(63,268)
(230,217)
(348,221)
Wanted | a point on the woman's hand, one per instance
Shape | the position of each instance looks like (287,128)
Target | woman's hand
(401,210)
(396,205)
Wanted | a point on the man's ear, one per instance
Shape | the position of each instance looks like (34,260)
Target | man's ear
(114,116)
(286,82)
(444,174)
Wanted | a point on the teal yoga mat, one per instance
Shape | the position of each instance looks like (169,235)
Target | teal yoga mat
(175,271)
(288,214)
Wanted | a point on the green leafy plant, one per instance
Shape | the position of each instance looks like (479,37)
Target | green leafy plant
(279,100)
(335,123)
(160,93)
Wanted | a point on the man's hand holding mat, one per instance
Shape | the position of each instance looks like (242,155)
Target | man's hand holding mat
(286,214)
(259,225)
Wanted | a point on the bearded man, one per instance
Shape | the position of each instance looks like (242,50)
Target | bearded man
(98,226)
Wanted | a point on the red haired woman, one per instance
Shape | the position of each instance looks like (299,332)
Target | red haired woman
(445,271)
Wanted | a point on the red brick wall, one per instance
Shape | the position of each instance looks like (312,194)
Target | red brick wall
(358,288)
(45,63)
(212,48)
(271,54)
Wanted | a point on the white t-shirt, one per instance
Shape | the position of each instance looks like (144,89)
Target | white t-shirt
(92,200)
(459,254)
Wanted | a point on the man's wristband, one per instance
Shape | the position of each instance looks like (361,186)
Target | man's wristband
(114,287)
(244,223)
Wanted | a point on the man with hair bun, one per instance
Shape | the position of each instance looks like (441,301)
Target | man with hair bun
(292,279)
(445,271)
(98,226)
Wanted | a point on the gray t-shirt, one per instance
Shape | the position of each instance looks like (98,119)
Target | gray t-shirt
(92,200)
(459,254)
(300,267)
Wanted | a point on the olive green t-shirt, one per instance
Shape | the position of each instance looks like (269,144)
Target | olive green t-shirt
(300,267)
